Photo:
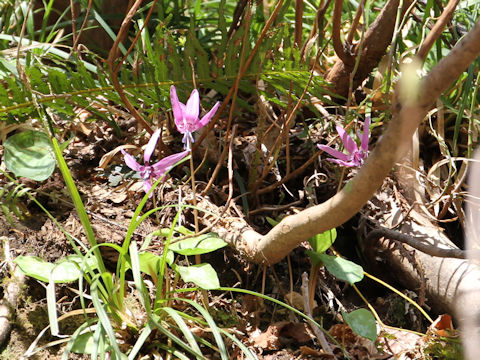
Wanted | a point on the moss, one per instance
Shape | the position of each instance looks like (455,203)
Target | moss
(443,348)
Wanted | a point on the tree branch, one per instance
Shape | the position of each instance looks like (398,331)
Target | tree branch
(415,242)
(377,39)
(437,29)
(294,229)
(337,41)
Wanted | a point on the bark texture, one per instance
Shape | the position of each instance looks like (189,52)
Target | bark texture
(377,39)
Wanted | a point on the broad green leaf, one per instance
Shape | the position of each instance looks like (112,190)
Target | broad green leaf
(30,155)
(198,245)
(66,270)
(149,263)
(321,242)
(342,269)
(84,344)
(362,322)
(202,275)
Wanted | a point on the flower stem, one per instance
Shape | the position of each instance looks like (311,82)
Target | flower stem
(198,259)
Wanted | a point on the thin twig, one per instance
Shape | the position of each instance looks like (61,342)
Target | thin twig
(284,131)
(298,22)
(437,29)
(228,203)
(74,25)
(114,69)
(355,23)
(77,38)
(236,86)
(250,58)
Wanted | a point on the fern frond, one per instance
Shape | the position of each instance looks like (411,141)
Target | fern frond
(11,195)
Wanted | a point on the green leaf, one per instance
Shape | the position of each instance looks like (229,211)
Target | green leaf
(321,242)
(342,269)
(150,263)
(29,154)
(84,344)
(198,245)
(271,221)
(362,322)
(65,271)
(202,275)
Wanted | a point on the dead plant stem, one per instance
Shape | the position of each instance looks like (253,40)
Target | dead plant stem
(308,311)
(232,106)
(82,27)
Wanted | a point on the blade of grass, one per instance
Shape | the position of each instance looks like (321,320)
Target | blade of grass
(141,339)
(155,320)
(467,90)
(183,327)
(99,342)
(49,48)
(143,295)
(104,319)
(82,214)
(177,354)
(213,327)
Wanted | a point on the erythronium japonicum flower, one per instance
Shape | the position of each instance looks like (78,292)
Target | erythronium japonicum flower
(187,115)
(151,173)
(355,155)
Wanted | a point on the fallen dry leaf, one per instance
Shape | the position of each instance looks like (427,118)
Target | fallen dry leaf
(279,334)
(398,342)
(308,351)
(442,326)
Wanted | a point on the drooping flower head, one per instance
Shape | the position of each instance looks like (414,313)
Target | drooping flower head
(355,156)
(187,115)
(151,173)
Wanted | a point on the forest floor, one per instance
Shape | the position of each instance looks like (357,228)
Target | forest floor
(273,332)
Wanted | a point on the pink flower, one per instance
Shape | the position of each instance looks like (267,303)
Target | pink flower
(187,116)
(150,173)
(355,156)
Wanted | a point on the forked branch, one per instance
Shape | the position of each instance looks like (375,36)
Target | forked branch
(406,116)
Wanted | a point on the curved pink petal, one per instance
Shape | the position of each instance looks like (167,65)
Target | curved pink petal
(176,105)
(348,142)
(366,133)
(343,163)
(147,154)
(359,134)
(207,117)
(147,185)
(161,167)
(130,161)
(192,108)
(333,152)
(180,123)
